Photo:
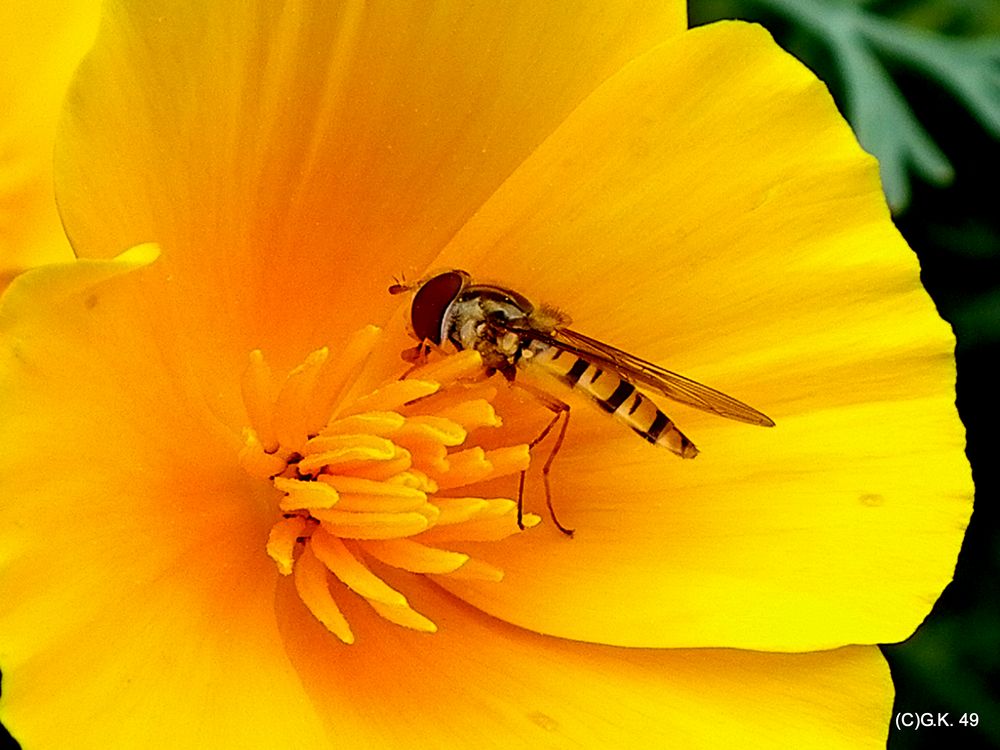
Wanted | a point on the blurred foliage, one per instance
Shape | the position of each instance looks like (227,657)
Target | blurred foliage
(920,82)
(865,42)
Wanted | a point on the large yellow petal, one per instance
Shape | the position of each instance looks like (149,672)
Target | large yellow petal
(481,683)
(136,600)
(117,653)
(42,43)
(708,209)
(291,157)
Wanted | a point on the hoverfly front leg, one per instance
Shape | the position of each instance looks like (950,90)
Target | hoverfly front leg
(561,410)
(417,356)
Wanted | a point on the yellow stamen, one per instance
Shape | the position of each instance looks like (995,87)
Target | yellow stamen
(345,444)
(314,590)
(393,396)
(414,479)
(406,617)
(255,460)
(375,503)
(335,556)
(348,459)
(416,557)
(466,364)
(350,525)
(380,470)
(282,540)
(291,411)
(358,477)
(459,509)
(471,414)
(427,429)
(359,494)
(496,521)
(380,423)
(509,460)
(359,486)
(476,465)
(258,396)
(304,495)
(477,570)
(470,404)
(337,374)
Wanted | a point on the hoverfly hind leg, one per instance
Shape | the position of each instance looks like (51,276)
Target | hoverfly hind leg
(561,410)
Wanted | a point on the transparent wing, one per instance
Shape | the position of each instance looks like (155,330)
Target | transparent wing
(670,384)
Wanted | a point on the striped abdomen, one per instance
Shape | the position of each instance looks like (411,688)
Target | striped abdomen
(614,395)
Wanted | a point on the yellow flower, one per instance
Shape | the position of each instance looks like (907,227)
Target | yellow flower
(42,44)
(176,571)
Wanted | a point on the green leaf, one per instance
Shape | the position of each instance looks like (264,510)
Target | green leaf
(861,42)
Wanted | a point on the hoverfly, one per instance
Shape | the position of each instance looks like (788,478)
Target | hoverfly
(510,332)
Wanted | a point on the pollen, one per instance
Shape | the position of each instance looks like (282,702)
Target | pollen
(376,485)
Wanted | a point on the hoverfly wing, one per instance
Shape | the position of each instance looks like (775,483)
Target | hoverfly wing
(670,384)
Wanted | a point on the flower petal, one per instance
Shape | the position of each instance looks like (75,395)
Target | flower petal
(132,565)
(734,231)
(292,156)
(42,44)
(395,688)
(128,659)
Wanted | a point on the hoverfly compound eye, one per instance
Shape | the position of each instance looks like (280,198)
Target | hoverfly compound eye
(431,303)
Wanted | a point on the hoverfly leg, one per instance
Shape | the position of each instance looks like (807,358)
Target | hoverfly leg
(520,501)
(401,286)
(417,356)
(545,472)
(562,411)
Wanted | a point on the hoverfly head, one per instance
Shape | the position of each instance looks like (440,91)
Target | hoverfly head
(431,302)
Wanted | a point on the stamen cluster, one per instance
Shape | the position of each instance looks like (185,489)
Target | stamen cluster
(361,477)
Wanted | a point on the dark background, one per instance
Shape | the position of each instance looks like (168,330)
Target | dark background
(952,662)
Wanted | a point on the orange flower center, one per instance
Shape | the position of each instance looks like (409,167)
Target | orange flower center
(362,477)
